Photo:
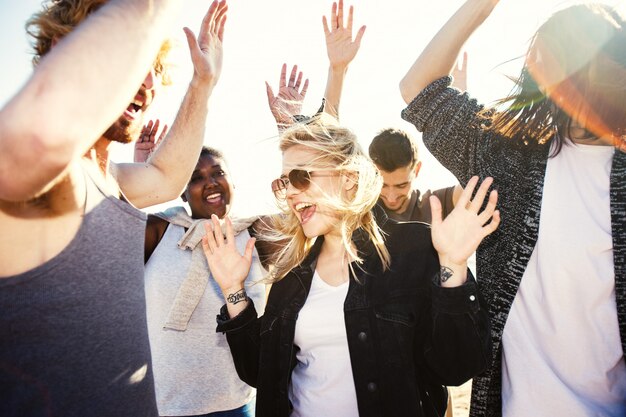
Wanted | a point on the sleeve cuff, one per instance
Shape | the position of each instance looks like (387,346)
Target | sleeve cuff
(456,300)
(226,324)
(419,111)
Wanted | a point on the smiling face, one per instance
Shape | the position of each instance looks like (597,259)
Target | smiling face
(397,187)
(310,206)
(209,190)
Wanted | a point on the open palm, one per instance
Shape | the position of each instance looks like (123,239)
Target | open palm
(458,236)
(228,267)
(288,101)
(340,46)
(206,51)
(148,140)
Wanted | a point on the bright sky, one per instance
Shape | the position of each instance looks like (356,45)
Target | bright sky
(261,35)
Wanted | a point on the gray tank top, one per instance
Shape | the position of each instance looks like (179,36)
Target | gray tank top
(73,332)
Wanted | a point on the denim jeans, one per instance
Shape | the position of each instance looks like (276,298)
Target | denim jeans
(245,411)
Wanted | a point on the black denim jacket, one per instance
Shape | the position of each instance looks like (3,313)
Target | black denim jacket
(406,335)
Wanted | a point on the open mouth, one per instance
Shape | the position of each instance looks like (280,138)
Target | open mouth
(214,198)
(134,108)
(305,210)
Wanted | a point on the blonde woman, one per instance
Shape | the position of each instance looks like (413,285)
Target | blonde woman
(360,317)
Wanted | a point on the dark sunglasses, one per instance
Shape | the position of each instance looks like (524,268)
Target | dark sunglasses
(299,178)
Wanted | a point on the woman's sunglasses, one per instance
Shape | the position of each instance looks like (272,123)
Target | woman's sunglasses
(299,178)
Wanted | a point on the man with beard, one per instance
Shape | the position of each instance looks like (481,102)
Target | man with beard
(73,334)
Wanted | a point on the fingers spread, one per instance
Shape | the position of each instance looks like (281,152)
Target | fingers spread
(492,225)
(270,94)
(350,18)
(217,231)
(230,236)
(477,202)
(283,76)
(305,88)
(154,130)
(326,29)
(162,135)
(486,214)
(359,36)
(340,15)
(209,239)
(465,196)
(298,81)
(249,249)
(292,76)
(333,16)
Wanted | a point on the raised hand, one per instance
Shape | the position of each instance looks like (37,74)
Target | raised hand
(459,73)
(148,140)
(288,101)
(228,267)
(458,236)
(340,46)
(206,51)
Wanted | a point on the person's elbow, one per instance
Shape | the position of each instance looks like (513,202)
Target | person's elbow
(407,91)
(172,183)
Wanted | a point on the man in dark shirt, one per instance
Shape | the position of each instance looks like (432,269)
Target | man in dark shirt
(395,154)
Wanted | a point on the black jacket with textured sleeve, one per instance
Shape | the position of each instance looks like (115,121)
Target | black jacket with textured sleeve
(406,335)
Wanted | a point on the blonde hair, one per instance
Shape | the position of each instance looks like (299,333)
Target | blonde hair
(59,17)
(336,148)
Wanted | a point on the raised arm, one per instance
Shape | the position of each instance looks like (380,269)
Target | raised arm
(288,102)
(167,171)
(228,267)
(459,235)
(438,58)
(53,119)
(341,50)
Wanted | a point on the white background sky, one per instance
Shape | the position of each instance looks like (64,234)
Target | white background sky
(261,35)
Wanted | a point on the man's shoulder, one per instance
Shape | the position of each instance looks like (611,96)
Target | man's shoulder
(439,192)
(445,195)
(37,230)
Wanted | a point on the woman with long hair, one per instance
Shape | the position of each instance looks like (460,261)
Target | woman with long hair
(361,319)
(554,274)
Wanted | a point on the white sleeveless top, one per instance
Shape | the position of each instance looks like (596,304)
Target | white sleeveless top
(193,369)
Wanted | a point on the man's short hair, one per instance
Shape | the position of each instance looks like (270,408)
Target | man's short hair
(392,149)
(59,17)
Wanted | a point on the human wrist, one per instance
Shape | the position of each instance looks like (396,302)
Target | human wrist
(202,83)
(338,68)
(235,295)
(451,273)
